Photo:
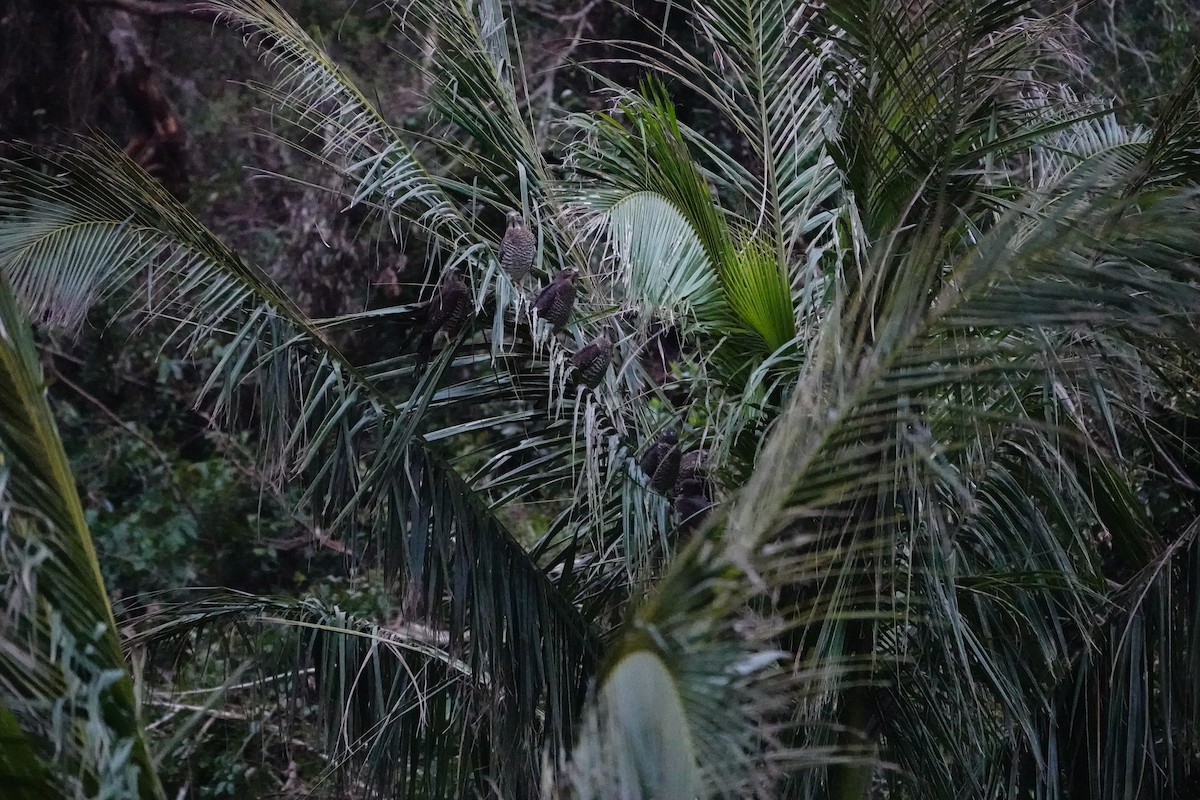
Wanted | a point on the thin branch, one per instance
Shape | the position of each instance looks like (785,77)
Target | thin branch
(567,17)
(166,697)
(163,460)
(243,462)
(194,10)
(228,446)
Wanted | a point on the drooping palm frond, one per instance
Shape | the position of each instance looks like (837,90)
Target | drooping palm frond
(474,87)
(359,455)
(923,93)
(492,153)
(68,713)
(356,138)
(395,702)
(1171,156)
(1060,289)
(1084,140)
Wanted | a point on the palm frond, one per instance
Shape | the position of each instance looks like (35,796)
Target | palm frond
(359,456)
(400,711)
(924,93)
(67,697)
(356,139)
(648,154)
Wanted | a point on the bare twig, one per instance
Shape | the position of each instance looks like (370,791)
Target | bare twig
(568,17)
(237,455)
(243,462)
(193,10)
(175,708)
(116,420)
(250,684)
(564,53)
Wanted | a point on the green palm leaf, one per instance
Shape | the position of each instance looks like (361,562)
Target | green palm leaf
(396,701)
(67,699)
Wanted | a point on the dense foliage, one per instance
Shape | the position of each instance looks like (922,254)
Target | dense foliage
(863,465)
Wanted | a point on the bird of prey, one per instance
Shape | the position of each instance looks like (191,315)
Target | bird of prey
(517,248)
(693,502)
(693,491)
(661,351)
(555,302)
(659,356)
(592,360)
(661,461)
(691,468)
(446,311)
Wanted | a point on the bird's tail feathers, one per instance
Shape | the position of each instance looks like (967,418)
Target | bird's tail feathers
(424,352)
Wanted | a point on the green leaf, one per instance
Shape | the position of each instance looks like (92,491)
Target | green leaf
(59,646)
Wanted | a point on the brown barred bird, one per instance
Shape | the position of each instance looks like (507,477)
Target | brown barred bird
(555,302)
(659,356)
(693,491)
(446,311)
(661,461)
(693,502)
(517,248)
(592,360)
(661,351)
(691,468)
